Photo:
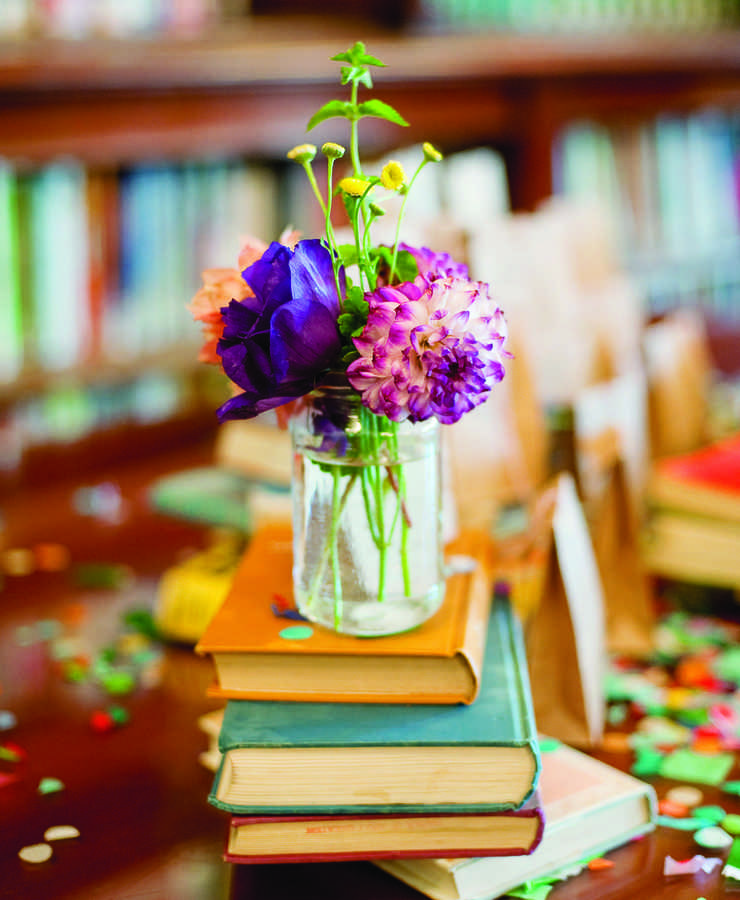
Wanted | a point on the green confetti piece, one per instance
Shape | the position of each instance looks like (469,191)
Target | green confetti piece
(118,682)
(296,632)
(684,824)
(731,823)
(142,621)
(50,786)
(547,745)
(119,715)
(727,664)
(734,858)
(714,813)
(692,717)
(100,575)
(686,765)
(648,762)
(731,787)
(75,672)
(616,714)
(535,892)
(9,754)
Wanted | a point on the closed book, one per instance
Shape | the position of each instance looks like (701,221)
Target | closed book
(590,808)
(703,482)
(264,839)
(439,662)
(327,758)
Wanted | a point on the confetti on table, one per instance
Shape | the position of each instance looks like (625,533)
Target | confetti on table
(712,838)
(7,720)
(17,561)
(690,866)
(713,813)
(731,823)
(101,722)
(686,794)
(616,742)
(599,864)
(35,853)
(690,824)
(51,557)
(685,765)
(6,778)
(674,810)
(118,682)
(547,745)
(296,632)
(12,752)
(61,833)
(731,787)
(118,714)
(50,785)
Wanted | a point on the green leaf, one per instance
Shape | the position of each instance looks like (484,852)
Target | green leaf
(381,111)
(330,110)
(348,254)
(356,56)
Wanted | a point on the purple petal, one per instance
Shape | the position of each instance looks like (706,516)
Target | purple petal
(312,275)
(304,339)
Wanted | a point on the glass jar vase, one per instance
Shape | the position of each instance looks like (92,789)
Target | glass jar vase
(367,517)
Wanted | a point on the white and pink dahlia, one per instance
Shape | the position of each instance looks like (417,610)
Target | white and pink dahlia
(429,349)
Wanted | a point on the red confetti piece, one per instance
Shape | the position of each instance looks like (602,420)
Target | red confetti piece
(101,721)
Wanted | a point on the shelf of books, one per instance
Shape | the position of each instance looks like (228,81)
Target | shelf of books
(116,191)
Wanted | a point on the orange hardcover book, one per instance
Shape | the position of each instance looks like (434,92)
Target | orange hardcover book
(439,662)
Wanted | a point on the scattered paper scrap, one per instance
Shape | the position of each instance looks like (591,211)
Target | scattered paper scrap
(7,720)
(7,778)
(51,557)
(690,866)
(296,632)
(12,752)
(599,864)
(731,823)
(686,765)
(547,745)
(17,561)
(731,787)
(713,813)
(686,795)
(674,810)
(712,838)
(61,833)
(691,824)
(35,853)
(50,785)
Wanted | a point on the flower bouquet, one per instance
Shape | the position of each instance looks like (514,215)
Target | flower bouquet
(365,348)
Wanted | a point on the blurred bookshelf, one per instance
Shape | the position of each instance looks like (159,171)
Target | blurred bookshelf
(154,144)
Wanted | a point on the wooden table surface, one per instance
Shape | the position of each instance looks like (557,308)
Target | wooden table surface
(137,794)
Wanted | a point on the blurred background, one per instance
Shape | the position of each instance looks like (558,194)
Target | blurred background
(591,175)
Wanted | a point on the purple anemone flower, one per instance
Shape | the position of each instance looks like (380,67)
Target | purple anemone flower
(276,343)
(434,265)
(430,348)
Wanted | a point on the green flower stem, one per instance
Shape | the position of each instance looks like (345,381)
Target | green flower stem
(331,541)
(365,480)
(405,523)
(354,146)
(312,181)
(335,260)
(400,219)
(335,501)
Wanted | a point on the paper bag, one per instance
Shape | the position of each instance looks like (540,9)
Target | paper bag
(565,635)
(627,595)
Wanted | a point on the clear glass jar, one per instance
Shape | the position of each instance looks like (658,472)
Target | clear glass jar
(367,517)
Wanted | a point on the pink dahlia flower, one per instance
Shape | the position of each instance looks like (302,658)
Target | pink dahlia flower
(429,349)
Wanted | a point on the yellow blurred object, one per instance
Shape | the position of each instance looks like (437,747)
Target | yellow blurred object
(190,592)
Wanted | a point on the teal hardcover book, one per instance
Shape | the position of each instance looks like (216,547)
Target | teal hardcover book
(280,757)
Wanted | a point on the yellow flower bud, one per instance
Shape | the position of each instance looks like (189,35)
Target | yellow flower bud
(356,187)
(393,177)
(332,150)
(431,153)
(303,153)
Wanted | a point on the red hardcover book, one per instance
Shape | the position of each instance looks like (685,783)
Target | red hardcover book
(266,839)
(704,482)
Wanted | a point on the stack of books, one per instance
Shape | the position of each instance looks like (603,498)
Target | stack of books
(334,747)
(693,528)
(417,751)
